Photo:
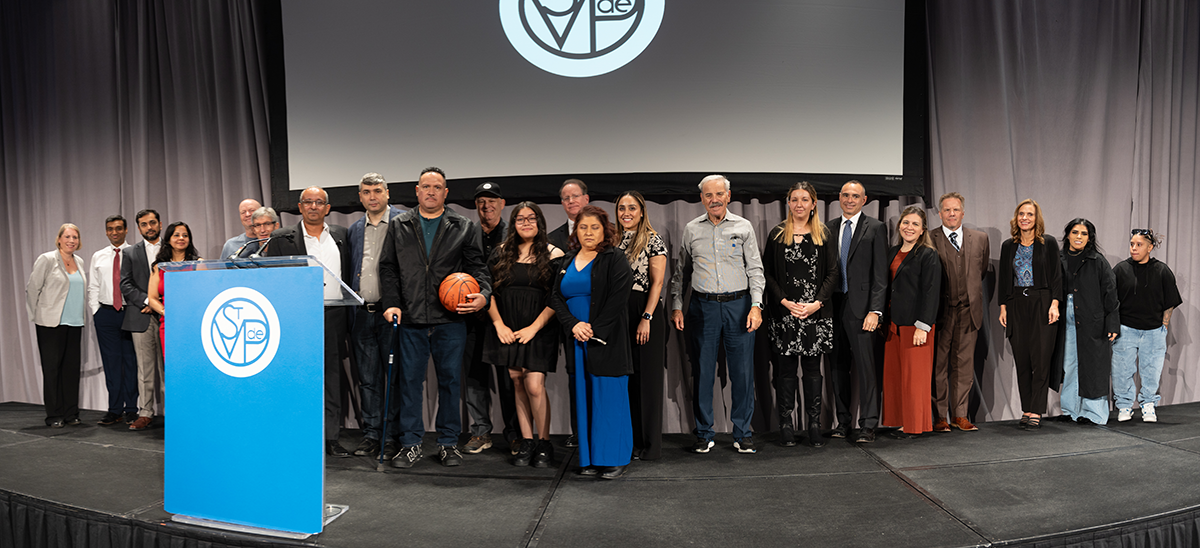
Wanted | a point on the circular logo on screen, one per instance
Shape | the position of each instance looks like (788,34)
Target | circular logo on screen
(240,332)
(580,38)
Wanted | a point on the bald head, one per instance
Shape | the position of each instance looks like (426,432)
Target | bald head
(246,211)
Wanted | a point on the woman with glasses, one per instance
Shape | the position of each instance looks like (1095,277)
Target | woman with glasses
(800,264)
(647,255)
(1083,354)
(1030,285)
(1148,294)
(524,338)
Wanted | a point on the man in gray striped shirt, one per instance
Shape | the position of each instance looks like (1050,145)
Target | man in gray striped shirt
(719,257)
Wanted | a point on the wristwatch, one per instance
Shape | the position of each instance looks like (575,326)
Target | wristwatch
(647,316)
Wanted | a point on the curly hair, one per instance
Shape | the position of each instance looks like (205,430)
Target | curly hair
(610,230)
(509,252)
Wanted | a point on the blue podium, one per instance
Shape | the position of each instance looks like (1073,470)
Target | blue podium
(245,377)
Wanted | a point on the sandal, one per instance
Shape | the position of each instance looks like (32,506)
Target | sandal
(1033,423)
(1024,422)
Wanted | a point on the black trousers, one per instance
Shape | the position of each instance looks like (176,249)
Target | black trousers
(336,322)
(648,378)
(1032,338)
(854,350)
(59,350)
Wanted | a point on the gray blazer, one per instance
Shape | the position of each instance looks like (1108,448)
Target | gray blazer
(135,282)
(46,290)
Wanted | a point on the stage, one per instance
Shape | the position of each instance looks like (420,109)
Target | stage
(1124,484)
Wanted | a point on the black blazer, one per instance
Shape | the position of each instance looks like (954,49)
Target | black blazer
(775,271)
(916,288)
(612,280)
(135,282)
(290,241)
(1047,271)
(559,237)
(867,267)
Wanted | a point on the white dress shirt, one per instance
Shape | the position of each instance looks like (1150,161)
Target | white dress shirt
(325,250)
(959,236)
(100,289)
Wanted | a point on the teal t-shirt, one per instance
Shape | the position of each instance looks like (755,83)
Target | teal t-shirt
(72,313)
(429,229)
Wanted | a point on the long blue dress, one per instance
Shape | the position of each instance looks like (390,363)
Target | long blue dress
(604,424)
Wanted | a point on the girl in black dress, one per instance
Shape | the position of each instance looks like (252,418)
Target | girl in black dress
(523,267)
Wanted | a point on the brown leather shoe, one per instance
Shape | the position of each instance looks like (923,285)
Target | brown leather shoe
(141,423)
(941,426)
(963,424)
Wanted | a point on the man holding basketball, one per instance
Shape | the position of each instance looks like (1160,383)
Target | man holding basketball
(422,247)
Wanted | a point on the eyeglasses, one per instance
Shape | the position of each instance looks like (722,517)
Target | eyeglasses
(313,203)
(525,221)
(572,198)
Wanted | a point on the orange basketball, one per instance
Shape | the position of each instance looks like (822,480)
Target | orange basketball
(455,288)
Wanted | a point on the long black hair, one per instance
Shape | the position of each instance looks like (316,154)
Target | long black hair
(1091,245)
(509,252)
(165,251)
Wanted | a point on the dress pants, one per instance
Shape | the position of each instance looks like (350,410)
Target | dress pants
(954,366)
(711,324)
(59,350)
(649,377)
(1032,341)
(149,369)
(335,334)
(854,350)
(119,359)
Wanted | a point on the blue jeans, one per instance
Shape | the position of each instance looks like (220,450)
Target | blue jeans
(417,343)
(710,325)
(1140,352)
(1073,405)
(372,339)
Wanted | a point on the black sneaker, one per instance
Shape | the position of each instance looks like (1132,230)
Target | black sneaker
(407,457)
(572,442)
(390,450)
(543,454)
(524,453)
(367,448)
(702,446)
(109,419)
(449,455)
(744,445)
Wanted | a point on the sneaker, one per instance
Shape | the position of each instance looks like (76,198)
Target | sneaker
(449,455)
(1148,414)
(543,454)
(744,445)
(109,419)
(572,442)
(407,457)
(477,444)
(390,450)
(1124,414)
(702,446)
(367,448)
(524,453)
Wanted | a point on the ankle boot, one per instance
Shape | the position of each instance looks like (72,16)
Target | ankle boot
(543,454)
(524,453)
(785,401)
(812,407)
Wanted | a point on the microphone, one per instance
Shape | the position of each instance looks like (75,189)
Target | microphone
(261,248)
(238,253)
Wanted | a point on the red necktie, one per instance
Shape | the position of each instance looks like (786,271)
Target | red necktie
(116,278)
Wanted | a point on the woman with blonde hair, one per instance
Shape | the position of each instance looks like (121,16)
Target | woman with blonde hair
(916,285)
(800,264)
(54,298)
(1030,286)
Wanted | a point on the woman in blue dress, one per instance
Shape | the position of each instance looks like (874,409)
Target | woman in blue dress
(591,294)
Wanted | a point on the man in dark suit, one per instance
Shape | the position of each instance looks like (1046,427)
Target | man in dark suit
(574,195)
(140,320)
(330,244)
(965,255)
(858,306)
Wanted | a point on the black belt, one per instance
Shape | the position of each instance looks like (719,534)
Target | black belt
(109,306)
(373,307)
(721,297)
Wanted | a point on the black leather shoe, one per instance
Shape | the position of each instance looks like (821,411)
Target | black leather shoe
(866,435)
(109,419)
(367,448)
(589,471)
(840,432)
(787,435)
(335,449)
(73,421)
(390,450)
(543,454)
(613,472)
(572,441)
(56,423)
(524,453)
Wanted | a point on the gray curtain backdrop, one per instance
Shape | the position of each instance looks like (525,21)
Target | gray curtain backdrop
(1088,107)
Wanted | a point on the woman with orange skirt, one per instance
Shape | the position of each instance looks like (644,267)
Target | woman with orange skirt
(912,309)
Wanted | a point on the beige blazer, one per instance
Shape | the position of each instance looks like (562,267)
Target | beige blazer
(46,290)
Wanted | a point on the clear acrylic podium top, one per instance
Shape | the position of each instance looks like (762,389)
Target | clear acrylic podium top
(348,298)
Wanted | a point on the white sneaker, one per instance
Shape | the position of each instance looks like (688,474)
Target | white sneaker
(1124,414)
(1148,414)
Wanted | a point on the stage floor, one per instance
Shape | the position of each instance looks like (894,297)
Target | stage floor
(999,485)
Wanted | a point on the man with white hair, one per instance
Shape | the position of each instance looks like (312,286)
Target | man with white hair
(719,259)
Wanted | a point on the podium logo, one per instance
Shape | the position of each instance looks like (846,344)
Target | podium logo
(580,38)
(240,332)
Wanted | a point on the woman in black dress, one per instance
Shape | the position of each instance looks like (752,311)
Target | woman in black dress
(1030,286)
(801,267)
(523,267)
(647,255)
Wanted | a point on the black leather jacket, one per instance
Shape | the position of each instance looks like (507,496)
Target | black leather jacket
(409,278)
